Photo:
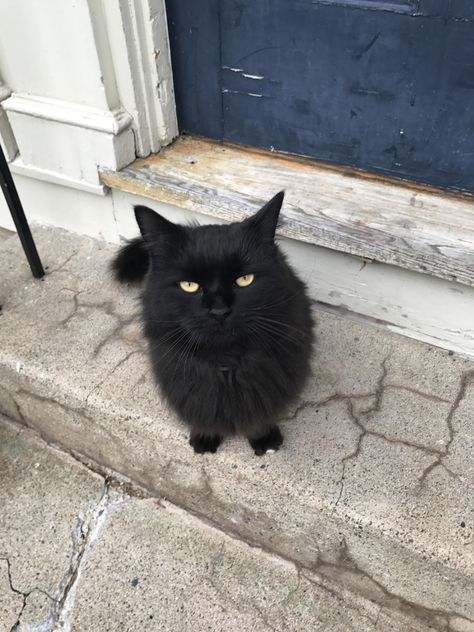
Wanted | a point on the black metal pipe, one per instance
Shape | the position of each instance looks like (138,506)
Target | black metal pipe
(18,215)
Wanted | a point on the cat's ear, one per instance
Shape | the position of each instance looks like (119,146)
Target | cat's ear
(153,225)
(266,219)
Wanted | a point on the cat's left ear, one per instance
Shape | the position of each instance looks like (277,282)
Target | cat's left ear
(153,225)
(266,219)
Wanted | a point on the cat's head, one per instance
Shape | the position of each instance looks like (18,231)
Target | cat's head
(218,283)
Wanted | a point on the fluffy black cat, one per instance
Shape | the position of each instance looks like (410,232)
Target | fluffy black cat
(227,320)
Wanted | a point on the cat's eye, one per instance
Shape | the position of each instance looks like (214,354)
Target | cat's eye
(189,286)
(245,280)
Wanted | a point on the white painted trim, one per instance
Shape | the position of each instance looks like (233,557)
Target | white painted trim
(138,39)
(54,177)
(108,121)
(98,23)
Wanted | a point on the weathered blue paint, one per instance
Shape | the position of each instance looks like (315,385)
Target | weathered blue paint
(381,86)
(195,42)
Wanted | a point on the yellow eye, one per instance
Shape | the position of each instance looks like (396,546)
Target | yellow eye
(246,280)
(189,286)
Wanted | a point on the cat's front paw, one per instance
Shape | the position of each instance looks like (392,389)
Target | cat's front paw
(205,443)
(271,441)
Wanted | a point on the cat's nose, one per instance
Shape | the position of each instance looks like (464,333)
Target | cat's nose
(220,313)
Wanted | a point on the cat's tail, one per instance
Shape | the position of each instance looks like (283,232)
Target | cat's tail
(132,261)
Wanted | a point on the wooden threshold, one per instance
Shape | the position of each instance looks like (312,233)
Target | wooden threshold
(411,227)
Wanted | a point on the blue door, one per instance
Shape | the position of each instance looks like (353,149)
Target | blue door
(382,86)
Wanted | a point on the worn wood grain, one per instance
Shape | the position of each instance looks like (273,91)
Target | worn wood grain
(417,229)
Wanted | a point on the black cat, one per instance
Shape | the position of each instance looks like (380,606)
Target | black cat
(227,320)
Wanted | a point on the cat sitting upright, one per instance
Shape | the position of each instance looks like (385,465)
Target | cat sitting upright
(227,320)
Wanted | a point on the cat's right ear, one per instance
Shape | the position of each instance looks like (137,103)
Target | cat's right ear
(264,222)
(153,225)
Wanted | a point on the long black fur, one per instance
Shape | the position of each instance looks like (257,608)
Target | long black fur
(131,263)
(235,371)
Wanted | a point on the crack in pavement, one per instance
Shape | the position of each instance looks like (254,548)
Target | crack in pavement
(375,407)
(22,594)
(19,415)
(415,391)
(377,395)
(466,379)
(75,294)
(89,525)
(116,481)
(363,613)
(294,590)
(109,308)
(116,332)
(392,600)
(109,374)
(68,409)
(61,265)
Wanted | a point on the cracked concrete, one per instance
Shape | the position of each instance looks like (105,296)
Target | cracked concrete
(38,504)
(378,452)
(137,562)
(467,380)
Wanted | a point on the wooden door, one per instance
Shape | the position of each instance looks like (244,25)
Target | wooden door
(383,86)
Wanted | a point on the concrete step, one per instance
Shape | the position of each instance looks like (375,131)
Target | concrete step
(372,490)
(88,554)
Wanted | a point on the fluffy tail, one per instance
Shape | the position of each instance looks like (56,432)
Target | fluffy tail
(132,261)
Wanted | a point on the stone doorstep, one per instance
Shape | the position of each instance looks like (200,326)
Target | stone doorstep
(373,489)
(116,558)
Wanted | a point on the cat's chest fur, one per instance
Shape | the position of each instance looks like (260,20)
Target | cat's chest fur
(238,389)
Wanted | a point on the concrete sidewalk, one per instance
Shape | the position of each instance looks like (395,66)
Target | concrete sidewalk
(85,553)
(373,490)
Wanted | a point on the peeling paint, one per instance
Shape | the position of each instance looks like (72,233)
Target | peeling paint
(248,94)
(232,69)
(241,70)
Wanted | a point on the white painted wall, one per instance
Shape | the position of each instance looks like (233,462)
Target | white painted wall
(69,208)
(47,48)
(91,86)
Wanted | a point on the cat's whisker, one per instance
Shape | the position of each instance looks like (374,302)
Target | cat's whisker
(280,323)
(262,306)
(275,345)
(187,354)
(277,336)
(257,338)
(174,345)
(183,353)
(169,338)
(284,333)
